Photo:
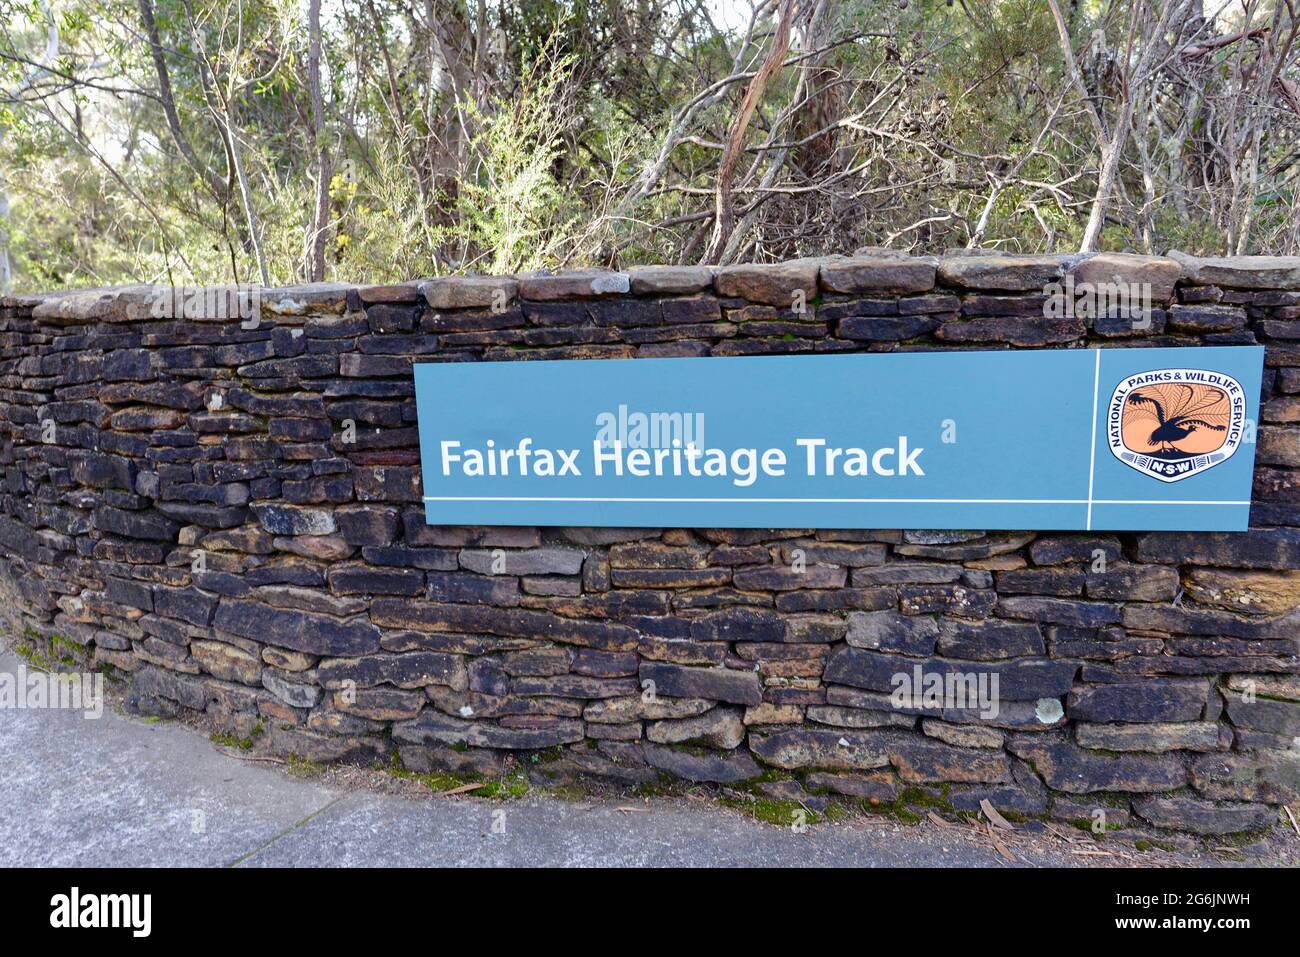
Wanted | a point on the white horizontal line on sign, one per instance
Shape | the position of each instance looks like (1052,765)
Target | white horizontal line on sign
(832,501)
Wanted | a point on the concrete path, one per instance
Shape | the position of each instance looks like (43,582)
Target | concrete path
(122,791)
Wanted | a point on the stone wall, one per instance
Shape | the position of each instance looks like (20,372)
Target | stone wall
(183,505)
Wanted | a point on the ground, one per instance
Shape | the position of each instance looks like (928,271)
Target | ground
(128,791)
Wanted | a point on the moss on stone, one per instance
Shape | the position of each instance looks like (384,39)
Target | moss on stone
(775,811)
(301,767)
(506,789)
(227,740)
(70,647)
(510,787)
(33,657)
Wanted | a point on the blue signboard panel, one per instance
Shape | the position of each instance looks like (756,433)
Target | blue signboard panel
(1064,439)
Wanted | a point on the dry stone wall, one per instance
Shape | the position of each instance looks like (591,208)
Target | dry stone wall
(185,506)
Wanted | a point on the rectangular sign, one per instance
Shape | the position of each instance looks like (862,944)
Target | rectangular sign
(1130,439)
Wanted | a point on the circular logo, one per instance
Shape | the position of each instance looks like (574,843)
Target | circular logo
(1172,424)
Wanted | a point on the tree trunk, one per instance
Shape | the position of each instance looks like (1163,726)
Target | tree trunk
(210,179)
(724,220)
(315,260)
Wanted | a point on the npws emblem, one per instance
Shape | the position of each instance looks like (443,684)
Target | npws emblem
(1172,424)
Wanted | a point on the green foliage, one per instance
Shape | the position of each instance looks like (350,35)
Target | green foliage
(560,133)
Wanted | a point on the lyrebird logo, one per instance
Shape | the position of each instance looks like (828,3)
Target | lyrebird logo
(1172,424)
(133,911)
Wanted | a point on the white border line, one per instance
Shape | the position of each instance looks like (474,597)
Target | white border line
(1092,445)
(832,501)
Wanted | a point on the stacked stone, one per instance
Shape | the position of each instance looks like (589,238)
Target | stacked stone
(229,513)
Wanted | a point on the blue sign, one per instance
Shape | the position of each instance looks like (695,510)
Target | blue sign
(1059,439)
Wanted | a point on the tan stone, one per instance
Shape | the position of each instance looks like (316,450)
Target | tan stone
(1286,687)
(227,662)
(963,735)
(1155,737)
(390,293)
(326,547)
(269,706)
(1240,272)
(878,275)
(469,292)
(1001,271)
(380,704)
(999,563)
(660,280)
(769,713)
(1278,446)
(1159,272)
(300,300)
(632,708)
(772,283)
(1281,409)
(287,660)
(1249,592)
(614,732)
(720,727)
(574,285)
(310,599)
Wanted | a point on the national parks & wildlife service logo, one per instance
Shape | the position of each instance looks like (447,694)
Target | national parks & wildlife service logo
(1172,424)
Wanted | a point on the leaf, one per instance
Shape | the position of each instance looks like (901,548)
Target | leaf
(463,788)
(996,819)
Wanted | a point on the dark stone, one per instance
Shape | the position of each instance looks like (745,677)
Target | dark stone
(98,470)
(186,690)
(892,632)
(739,624)
(811,748)
(715,684)
(989,640)
(1277,548)
(1271,777)
(432,728)
(573,686)
(1054,550)
(1021,680)
(886,328)
(414,670)
(1281,718)
(365,580)
(1059,610)
(1203,817)
(187,604)
(300,631)
(512,622)
(146,525)
(875,789)
(367,525)
(921,760)
(291,520)
(1147,701)
(1201,319)
(473,589)
(960,600)
(1008,800)
(1066,767)
(131,593)
(716,767)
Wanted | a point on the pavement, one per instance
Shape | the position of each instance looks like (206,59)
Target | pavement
(122,791)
